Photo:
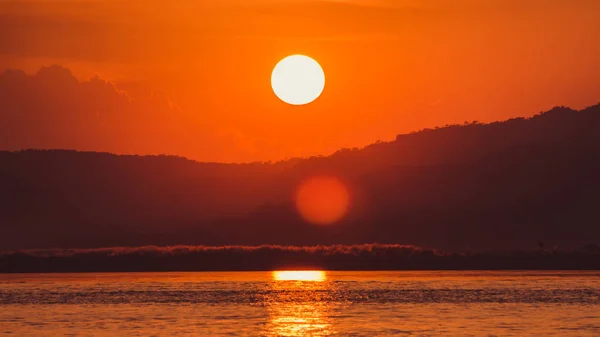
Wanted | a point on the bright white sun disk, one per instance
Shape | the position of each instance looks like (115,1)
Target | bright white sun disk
(298,80)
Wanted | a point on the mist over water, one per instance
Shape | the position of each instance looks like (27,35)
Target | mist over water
(306,303)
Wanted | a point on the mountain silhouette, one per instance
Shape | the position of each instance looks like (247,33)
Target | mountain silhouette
(499,186)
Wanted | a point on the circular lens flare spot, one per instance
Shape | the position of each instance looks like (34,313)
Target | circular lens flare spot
(322,200)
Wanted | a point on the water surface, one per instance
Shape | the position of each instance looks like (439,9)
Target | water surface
(312,303)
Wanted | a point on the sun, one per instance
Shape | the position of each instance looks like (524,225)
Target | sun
(298,79)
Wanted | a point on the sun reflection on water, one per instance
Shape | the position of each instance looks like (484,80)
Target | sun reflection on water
(299,275)
(295,308)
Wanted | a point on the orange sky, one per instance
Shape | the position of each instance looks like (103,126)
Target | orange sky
(391,66)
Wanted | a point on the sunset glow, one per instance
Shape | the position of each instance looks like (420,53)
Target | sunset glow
(291,168)
(172,78)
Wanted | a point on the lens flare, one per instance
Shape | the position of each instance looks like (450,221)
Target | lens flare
(322,200)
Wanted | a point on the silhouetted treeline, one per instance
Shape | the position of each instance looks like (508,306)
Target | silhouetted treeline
(337,257)
(500,186)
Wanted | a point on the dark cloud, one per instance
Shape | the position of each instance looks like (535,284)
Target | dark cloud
(53,109)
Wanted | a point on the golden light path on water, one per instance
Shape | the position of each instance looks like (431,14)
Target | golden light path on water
(294,307)
(270,304)
(299,275)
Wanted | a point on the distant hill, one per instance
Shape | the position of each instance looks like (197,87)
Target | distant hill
(500,186)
